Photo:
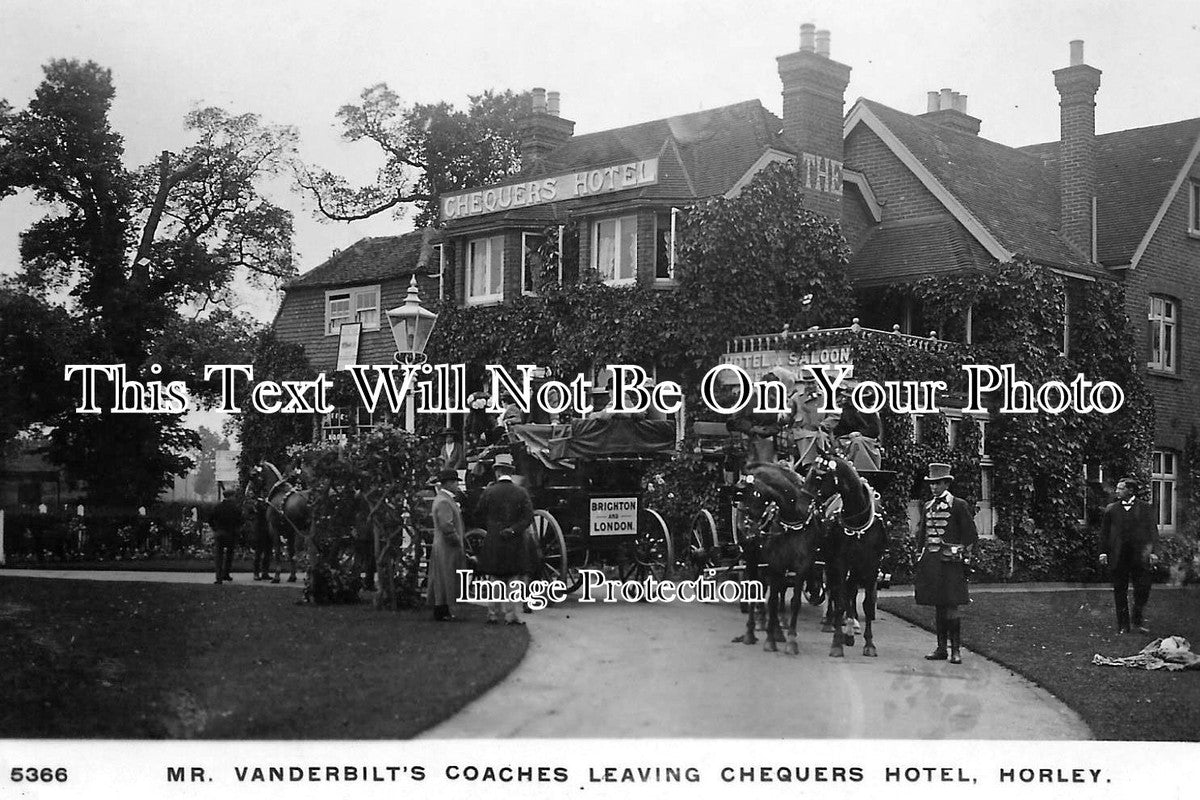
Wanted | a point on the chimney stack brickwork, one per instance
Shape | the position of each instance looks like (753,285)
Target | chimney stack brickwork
(542,130)
(1077,86)
(814,96)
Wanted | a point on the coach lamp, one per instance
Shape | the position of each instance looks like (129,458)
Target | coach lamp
(411,325)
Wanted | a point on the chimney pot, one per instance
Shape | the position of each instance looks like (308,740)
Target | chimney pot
(1076,52)
(931,101)
(947,100)
(823,43)
(806,37)
(539,100)
(552,103)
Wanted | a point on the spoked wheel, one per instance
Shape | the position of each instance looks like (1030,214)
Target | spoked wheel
(652,552)
(555,564)
(701,542)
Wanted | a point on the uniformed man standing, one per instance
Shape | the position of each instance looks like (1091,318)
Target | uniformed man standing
(947,529)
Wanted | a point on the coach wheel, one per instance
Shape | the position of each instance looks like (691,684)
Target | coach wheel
(652,553)
(702,542)
(553,547)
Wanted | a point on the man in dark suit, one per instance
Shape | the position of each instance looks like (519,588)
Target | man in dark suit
(1128,536)
(947,529)
(507,512)
(226,519)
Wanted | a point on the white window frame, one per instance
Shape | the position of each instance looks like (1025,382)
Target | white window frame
(524,250)
(354,309)
(490,243)
(1066,331)
(671,246)
(621,222)
(1163,482)
(1167,325)
(440,250)
(1194,208)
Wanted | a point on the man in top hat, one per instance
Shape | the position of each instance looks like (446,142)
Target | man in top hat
(1128,536)
(226,519)
(947,529)
(447,555)
(507,511)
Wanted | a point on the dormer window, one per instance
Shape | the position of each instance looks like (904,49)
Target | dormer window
(352,305)
(614,255)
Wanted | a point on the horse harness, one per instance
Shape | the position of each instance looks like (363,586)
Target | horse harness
(832,512)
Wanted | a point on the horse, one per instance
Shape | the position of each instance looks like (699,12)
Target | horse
(288,513)
(781,536)
(854,545)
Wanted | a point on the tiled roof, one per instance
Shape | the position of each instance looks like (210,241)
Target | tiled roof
(370,260)
(1012,193)
(915,248)
(715,147)
(1134,171)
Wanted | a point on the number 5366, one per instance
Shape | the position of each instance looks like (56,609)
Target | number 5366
(38,775)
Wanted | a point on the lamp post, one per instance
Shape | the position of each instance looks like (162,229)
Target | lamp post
(411,325)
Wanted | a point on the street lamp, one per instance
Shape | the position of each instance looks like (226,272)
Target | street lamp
(411,325)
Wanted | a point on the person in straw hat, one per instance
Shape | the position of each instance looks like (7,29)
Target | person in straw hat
(947,529)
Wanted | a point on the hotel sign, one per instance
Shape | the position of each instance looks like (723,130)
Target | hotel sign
(568,186)
(760,362)
(823,174)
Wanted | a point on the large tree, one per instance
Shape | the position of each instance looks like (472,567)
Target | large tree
(138,251)
(428,149)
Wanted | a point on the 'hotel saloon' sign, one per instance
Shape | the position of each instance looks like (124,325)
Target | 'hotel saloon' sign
(567,186)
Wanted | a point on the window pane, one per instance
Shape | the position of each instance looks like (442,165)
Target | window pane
(628,247)
(1168,309)
(532,262)
(495,264)
(606,249)
(662,247)
(477,267)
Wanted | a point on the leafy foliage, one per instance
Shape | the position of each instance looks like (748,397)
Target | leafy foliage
(428,149)
(135,248)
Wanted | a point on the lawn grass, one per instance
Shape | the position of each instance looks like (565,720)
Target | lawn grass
(96,659)
(1050,638)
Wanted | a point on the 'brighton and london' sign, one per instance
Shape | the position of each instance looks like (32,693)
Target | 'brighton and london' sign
(568,186)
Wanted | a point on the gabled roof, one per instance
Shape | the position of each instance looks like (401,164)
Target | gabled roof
(370,260)
(1135,172)
(1006,197)
(714,148)
(914,248)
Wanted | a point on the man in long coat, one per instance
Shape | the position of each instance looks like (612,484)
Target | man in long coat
(507,512)
(1128,536)
(447,555)
(226,519)
(947,529)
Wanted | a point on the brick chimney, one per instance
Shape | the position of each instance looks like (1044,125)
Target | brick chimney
(542,130)
(814,93)
(949,109)
(1077,85)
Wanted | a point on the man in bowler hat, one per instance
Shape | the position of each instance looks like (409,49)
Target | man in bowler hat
(1128,536)
(447,555)
(947,529)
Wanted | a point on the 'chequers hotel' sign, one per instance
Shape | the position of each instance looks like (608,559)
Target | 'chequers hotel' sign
(568,186)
